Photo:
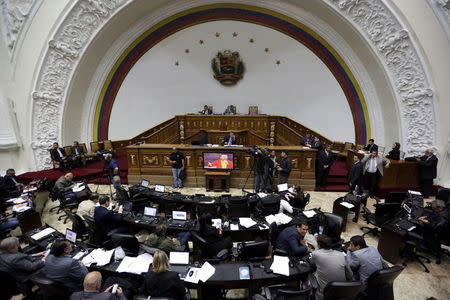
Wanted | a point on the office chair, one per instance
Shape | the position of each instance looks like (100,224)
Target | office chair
(383,213)
(237,207)
(121,195)
(395,197)
(10,285)
(413,243)
(254,251)
(205,250)
(204,208)
(97,238)
(444,194)
(343,290)
(78,225)
(284,293)
(50,289)
(380,285)
(333,229)
(269,206)
(128,242)
(139,204)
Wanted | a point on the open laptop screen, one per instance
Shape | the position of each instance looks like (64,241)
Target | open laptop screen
(145,183)
(179,215)
(282,187)
(179,258)
(71,236)
(150,211)
(159,188)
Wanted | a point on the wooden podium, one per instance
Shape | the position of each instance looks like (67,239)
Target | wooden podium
(217,181)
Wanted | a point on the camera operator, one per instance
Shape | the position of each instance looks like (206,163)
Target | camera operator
(112,166)
(261,161)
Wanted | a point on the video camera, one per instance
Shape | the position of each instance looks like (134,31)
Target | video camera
(255,150)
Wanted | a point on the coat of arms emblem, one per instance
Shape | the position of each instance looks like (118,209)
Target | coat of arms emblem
(227,67)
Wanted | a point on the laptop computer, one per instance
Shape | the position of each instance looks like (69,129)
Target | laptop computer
(179,219)
(179,262)
(149,216)
(282,187)
(144,183)
(71,236)
(160,188)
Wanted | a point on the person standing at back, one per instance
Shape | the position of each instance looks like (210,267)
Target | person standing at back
(176,159)
(428,171)
(284,167)
(354,176)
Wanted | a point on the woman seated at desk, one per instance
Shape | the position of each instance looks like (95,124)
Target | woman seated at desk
(213,236)
(294,197)
(160,282)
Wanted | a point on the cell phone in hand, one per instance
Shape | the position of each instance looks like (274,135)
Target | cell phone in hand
(114,288)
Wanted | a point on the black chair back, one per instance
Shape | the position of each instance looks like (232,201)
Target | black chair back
(385,212)
(254,250)
(202,209)
(9,284)
(96,234)
(122,195)
(78,225)
(343,290)
(395,197)
(50,289)
(380,283)
(128,242)
(444,194)
(139,204)
(333,227)
(269,207)
(238,208)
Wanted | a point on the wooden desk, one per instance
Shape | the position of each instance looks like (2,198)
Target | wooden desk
(217,181)
(342,211)
(401,175)
(149,161)
(390,243)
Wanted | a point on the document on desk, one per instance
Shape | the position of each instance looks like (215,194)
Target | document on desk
(192,275)
(309,213)
(43,233)
(247,222)
(206,271)
(99,256)
(280,265)
(135,265)
(78,187)
(278,218)
(217,223)
(234,227)
(346,204)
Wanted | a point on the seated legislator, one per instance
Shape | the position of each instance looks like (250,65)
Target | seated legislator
(59,155)
(306,140)
(107,219)
(92,284)
(19,265)
(331,265)
(87,207)
(64,185)
(12,182)
(7,223)
(434,225)
(371,146)
(395,152)
(428,171)
(213,236)
(291,239)
(206,110)
(62,268)
(229,139)
(222,163)
(363,260)
(160,282)
(158,239)
(78,155)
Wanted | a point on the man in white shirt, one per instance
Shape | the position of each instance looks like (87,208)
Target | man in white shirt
(373,168)
(87,207)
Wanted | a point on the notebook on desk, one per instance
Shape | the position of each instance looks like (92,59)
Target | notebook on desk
(149,215)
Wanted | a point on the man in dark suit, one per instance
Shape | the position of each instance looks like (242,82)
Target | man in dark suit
(78,154)
(92,284)
(62,268)
(59,155)
(324,161)
(229,139)
(206,110)
(107,219)
(306,140)
(284,167)
(371,146)
(12,182)
(428,171)
(316,143)
(354,176)
(291,239)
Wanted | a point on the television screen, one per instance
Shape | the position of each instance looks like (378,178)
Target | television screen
(218,161)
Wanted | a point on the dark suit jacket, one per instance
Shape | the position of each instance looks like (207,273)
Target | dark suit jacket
(63,186)
(394,154)
(289,241)
(55,155)
(370,148)
(324,159)
(428,167)
(107,219)
(226,139)
(286,166)
(79,148)
(165,284)
(355,174)
(96,295)
(316,145)
(20,265)
(11,185)
(66,271)
(304,140)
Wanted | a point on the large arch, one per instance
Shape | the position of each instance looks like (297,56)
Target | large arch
(391,47)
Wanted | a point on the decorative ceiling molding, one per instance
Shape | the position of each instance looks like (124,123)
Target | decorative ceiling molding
(13,20)
(71,38)
(372,18)
(393,45)
(441,9)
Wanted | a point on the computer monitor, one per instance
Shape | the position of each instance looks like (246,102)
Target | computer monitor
(145,183)
(179,215)
(160,188)
(149,211)
(218,161)
(282,187)
(71,236)
(179,258)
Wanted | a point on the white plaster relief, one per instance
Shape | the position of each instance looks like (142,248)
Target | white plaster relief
(71,38)
(441,9)
(394,47)
(13,16)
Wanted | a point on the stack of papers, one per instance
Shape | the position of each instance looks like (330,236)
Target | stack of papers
(99,256)
(346,204)
(234,227)
(135,265)
(278,219)
(203,273)
(280,265)
(78,187)
(217,223)
(247,222)
(43,233)
(309,213)
(16,200)
(21,208)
